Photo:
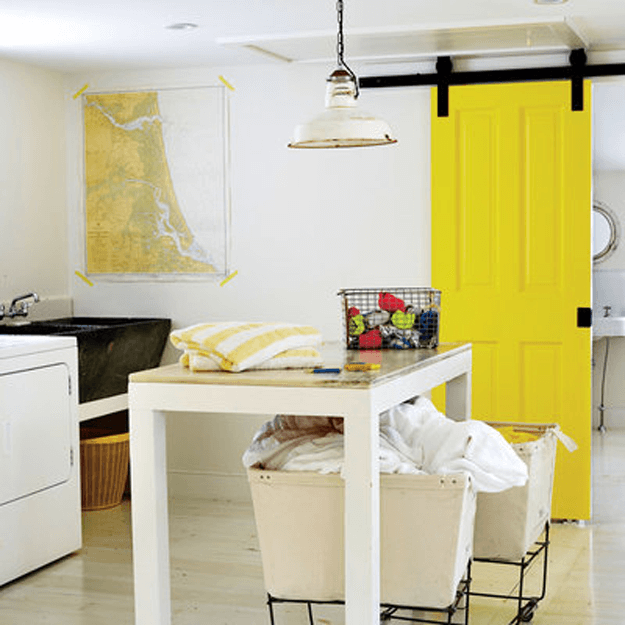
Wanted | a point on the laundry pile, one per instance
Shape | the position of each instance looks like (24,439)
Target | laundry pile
(414,438)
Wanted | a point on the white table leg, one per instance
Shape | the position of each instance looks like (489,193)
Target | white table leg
(458,397)
(150,534)
(362,520)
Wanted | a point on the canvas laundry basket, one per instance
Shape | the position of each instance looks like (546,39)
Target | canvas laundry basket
(508,523)
(426,523)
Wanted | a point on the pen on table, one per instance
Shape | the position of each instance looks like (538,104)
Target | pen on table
(361,366)
(326,370)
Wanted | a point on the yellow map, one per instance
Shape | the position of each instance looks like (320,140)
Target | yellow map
(134,223)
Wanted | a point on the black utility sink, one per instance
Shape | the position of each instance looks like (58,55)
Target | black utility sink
(109,348)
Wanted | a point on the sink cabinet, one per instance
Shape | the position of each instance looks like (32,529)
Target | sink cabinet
(109,348)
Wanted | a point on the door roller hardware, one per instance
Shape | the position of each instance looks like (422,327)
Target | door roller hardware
(444,77)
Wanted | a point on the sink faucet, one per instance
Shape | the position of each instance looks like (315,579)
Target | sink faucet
(20,305)
(606,311)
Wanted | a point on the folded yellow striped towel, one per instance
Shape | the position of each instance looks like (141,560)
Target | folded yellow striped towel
(298,358)
(237,346)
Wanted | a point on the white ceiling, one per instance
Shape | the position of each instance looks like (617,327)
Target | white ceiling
(425,42)
(78,35)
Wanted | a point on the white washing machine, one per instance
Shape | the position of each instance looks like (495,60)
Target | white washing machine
(39,452)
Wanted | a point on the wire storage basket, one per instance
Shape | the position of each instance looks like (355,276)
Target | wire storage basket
(395,318)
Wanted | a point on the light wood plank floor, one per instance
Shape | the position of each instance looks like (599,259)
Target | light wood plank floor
(217,574)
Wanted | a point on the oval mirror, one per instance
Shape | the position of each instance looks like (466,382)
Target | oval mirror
(605,232)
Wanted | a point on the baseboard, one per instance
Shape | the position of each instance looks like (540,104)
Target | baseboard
(209,485)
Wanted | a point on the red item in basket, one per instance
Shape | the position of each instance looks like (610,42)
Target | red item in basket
(353,311)
(387,301)
(370,340)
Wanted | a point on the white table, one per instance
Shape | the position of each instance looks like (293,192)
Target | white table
(358,397)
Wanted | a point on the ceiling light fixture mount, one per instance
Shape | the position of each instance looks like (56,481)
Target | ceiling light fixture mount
(342,124)
(550,2)
(182,26)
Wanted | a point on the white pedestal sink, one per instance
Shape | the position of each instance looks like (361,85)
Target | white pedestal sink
(608,326)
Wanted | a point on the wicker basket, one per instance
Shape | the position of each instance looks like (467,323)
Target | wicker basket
(104,463)
(391,318)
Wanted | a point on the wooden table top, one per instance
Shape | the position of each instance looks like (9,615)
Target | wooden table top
(393,364)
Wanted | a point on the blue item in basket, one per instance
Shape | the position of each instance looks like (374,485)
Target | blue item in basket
(401,342)
(428,324)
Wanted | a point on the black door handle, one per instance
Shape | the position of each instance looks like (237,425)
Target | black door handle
(584,317)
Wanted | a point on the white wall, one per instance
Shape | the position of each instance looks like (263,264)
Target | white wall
(304,224)
(33,212)
(609,275)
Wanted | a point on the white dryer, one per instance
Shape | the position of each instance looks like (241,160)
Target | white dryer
(39,452)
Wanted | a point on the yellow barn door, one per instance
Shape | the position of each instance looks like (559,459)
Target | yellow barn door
(511,198)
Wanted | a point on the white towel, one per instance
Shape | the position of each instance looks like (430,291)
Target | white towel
(294,443)
(414,438)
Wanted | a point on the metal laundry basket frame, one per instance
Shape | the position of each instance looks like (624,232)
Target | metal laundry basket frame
(390,611)
(526,605)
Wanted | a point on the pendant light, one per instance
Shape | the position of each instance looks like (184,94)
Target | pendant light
(343,124)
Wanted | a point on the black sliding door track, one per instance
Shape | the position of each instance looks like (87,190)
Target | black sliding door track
(446,77)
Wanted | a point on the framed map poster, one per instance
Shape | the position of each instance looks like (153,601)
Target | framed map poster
(156,191)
